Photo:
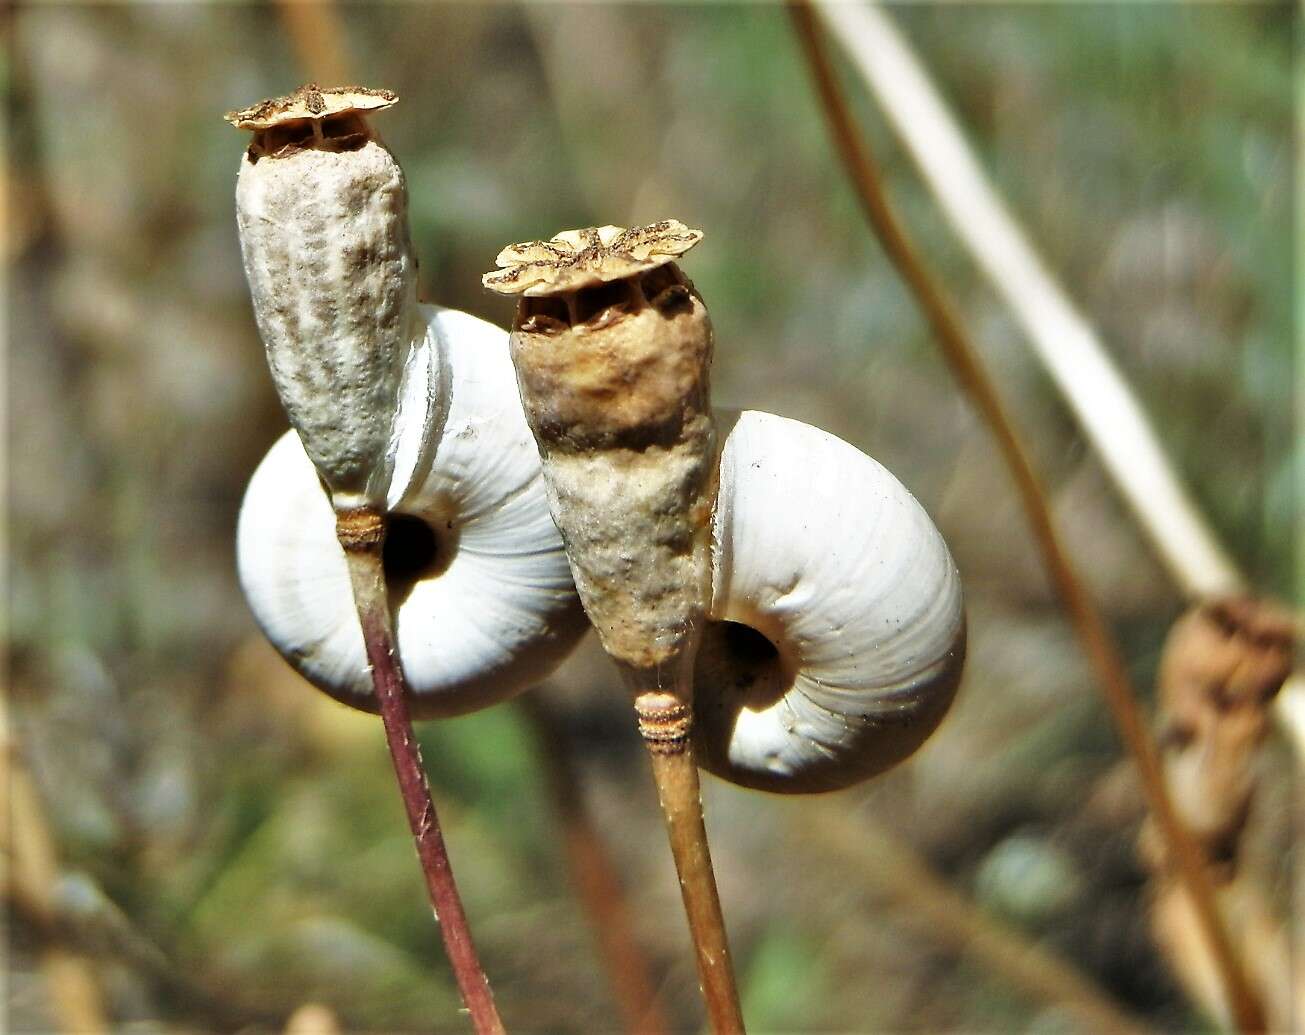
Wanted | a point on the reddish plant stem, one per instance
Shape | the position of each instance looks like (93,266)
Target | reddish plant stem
(595,876)
(315,28)
(362,534)
(1097,641)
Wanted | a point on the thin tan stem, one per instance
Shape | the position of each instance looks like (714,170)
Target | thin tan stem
(595,876)
(666,727)
(362,535)
(953,920)
(318,38)
(1102,652)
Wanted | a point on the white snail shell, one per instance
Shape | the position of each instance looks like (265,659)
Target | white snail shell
(493,612)
(824,553)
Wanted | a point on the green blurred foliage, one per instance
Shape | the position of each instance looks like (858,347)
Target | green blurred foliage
(784,981)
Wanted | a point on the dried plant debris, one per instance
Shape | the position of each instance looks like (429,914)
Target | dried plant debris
(576,259)
(311,101)
(1223,663)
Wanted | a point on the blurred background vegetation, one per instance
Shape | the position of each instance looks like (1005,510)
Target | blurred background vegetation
(233,841)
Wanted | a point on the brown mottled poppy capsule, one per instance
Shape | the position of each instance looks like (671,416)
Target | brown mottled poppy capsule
(612,348)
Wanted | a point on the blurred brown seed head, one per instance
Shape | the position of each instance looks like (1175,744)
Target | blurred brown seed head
(1223,663)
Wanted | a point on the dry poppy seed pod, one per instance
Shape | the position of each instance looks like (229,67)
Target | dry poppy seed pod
(321,206)
(612,347)
(833,616)
(410,417)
